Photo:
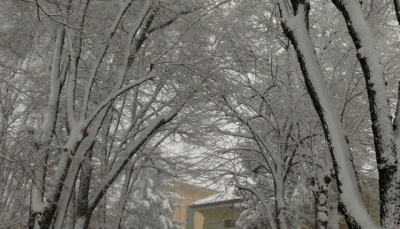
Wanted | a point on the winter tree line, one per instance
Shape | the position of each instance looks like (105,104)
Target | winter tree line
(104,103)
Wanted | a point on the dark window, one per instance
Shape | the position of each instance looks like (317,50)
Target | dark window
(229,223)
(189,218)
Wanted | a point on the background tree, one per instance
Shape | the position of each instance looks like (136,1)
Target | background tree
(86,105)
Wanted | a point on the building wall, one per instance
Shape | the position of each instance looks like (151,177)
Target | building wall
(190,193)
(215,217)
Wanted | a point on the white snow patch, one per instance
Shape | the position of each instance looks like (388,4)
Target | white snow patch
(219,197)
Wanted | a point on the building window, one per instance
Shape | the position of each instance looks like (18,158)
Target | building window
(189,218)
(229,223)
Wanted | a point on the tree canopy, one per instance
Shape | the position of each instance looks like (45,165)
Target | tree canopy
(294,103)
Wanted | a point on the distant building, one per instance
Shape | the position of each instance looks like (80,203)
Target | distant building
(191,193)
(204,208)
(218,210)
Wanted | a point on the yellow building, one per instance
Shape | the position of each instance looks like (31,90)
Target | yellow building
(190,194)
(219,210)
(208,209)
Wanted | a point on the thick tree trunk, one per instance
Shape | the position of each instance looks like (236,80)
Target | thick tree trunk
(296,29)
(382,129)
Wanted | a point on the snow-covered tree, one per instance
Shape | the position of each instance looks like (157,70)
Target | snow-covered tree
(106,91)
(152,203)
(284,97)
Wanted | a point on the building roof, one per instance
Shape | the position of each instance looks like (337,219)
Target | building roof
(223,198)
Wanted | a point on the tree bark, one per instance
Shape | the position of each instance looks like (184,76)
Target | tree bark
(126,190)
(71,216)
(82,210)
(296,29)
(48,127)
(280,205)
(397,9)
(385,146)
(321,188)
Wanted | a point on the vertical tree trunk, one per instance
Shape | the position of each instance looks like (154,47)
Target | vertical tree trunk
(280,205)
(126,189)
(83,213)
(48,127)
(321,188)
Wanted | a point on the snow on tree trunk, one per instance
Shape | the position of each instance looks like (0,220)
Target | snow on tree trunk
(385,147)
(47,129)
(296,29)
(396,121)
(69,182)
(321,182)
(79,129)
(334,217)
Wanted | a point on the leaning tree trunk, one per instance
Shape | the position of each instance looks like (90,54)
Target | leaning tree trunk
(385,146)
(71,215)
(296,29)
(82,208)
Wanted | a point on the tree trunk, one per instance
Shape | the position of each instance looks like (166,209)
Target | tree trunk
(321,188)
(48,127)
(280,205)
(397,9)
(126,189)
(385,147)
(296,29)
(82,211)
(71,215)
